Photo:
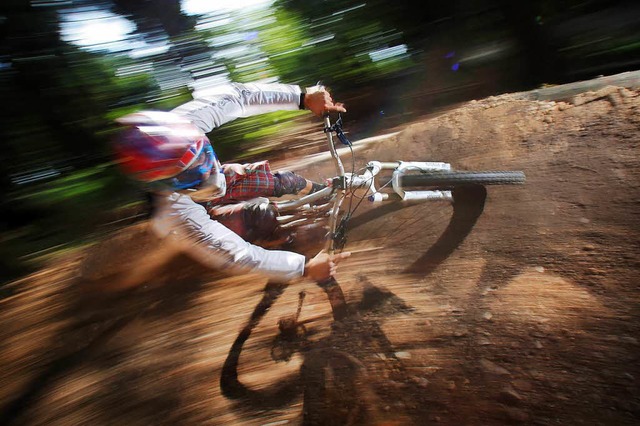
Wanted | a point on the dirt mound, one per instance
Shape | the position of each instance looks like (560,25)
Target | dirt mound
(513,305)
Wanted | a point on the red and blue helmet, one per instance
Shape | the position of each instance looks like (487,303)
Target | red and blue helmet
(165,148)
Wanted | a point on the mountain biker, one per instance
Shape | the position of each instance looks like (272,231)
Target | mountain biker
(170,153)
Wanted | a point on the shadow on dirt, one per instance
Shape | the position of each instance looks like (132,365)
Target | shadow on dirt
(467,208)
(231,387)
(332,379)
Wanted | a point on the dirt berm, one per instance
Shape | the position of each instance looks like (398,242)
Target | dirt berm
(514,305)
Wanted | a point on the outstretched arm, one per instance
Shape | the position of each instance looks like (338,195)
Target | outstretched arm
(222,104)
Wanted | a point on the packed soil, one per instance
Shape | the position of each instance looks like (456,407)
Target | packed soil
(512,305)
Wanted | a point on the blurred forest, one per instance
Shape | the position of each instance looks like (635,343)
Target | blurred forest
(388,61)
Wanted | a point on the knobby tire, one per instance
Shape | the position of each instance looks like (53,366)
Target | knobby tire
(457,178)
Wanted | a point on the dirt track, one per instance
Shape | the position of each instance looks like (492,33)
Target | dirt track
(514,305)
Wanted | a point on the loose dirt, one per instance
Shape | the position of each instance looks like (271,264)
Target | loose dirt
(514,305)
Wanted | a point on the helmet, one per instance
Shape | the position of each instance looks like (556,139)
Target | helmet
(166,149)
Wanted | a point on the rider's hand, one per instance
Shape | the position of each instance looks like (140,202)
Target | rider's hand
(323,266)
(229,168)
(320,102)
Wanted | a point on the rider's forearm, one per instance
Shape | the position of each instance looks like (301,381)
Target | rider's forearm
(222,104)
(181,221)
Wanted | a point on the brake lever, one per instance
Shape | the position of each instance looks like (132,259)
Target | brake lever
(337,127)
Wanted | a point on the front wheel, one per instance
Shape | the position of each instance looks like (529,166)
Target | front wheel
(458,178)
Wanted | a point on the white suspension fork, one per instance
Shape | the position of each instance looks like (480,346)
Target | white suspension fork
(400,168)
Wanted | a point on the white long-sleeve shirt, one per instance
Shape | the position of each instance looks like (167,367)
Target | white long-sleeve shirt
(182,222)
(214,107)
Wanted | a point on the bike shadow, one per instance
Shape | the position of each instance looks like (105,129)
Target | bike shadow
(332,380)
(349,399)
(467,207)
(276,396)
